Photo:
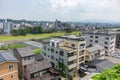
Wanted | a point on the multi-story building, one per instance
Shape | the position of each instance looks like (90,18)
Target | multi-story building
(8,66)
(38,67)
(25,57)
(6,27)
(68,51)
(103,38)
(95,52)
(118,40)
(1,26)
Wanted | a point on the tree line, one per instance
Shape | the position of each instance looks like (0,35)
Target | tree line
(27,30)
(37,30)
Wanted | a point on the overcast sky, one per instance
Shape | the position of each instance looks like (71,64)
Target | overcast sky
(64,10)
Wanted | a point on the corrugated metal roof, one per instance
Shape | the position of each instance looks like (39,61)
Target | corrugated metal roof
(7,56)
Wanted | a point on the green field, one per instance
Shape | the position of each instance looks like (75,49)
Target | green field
(33,36)
(37,51)
(12,46)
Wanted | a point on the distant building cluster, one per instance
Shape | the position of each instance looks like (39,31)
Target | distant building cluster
(6,25)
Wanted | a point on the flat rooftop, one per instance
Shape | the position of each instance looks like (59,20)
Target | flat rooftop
(72,37)
(67,48)
(103,32)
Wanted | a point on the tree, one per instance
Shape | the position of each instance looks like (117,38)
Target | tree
(68,30)
(109,74)
(14,32)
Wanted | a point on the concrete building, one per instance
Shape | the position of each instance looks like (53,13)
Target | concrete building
(95,52)
(68,51)
(57,25)
(1,26)
(8,66)
(118,40)
(103,38)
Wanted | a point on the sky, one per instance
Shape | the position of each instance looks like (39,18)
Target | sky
(64,10)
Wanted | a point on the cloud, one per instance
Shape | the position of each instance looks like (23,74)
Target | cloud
(67,10)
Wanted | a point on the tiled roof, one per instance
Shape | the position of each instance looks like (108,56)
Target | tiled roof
(104,65)
(38,66)
(101,65)
(25,52)
(7,56)
(46,76)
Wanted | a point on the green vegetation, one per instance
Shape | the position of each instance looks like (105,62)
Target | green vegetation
(27,30)
(34,36)
(75,74)
(64,69)
(37,51)
(68,30)
(12,46)
(109,74)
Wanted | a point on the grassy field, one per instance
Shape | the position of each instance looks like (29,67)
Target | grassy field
(37,51)
(12,46)
(33,36)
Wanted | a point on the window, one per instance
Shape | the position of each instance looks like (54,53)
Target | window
(96,41)
(52,57)
(91,36)
(71,62)
(106,43)
(44,54)
(106,47)
(1,78)
(11,76)
(91,41)
(81,52)
(106,38)
(71,54)
(52,50)
(44,47)
(61,53)
(96,36)
(53,44)
(11,67)
(48,49)
(56,59)
(82,45)
(56,52)
(73,45)
(81,59)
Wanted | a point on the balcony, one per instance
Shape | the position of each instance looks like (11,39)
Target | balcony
(72,57)
(72,65)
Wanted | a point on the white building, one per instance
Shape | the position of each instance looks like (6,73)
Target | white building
(68,50)
(6,27)
(1,25)
(103,38)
